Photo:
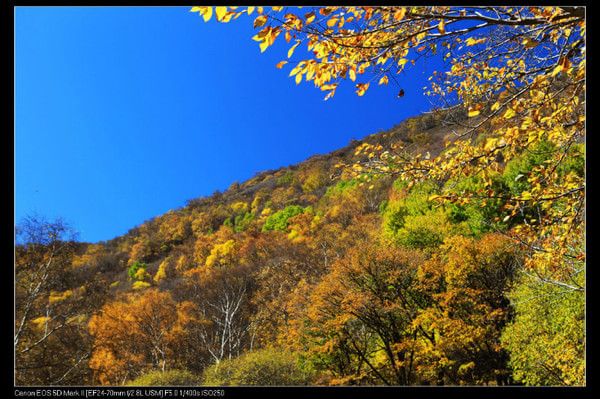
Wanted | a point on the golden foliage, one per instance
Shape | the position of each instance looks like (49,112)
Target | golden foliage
(138,333)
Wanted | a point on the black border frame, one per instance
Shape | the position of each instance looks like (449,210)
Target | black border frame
(7,371)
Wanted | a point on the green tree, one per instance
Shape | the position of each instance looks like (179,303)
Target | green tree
(279,220)
(550,321)
(137,271)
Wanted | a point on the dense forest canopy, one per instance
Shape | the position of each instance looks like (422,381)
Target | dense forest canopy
(448,250)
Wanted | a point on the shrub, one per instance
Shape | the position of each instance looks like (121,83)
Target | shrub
(263,367)
(286,179)
(241,222)
(134,270)
(166,378)
(140,285)
(313,179)
(279,220)
(341,187)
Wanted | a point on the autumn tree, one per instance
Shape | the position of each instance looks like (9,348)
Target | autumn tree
(359,323)
(53,301)
(174,228)
(469,281)
(281,265)
(137,334)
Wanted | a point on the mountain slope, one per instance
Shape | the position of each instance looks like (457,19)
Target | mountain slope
(304,184)
(308,274)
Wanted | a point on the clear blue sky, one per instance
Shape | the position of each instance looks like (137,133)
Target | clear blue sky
(122,113)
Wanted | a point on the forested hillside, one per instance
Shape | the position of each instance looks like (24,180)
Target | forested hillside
(302,275)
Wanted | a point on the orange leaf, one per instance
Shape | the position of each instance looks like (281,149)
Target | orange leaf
(260,21)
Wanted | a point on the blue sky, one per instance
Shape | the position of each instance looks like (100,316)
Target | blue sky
(122,113)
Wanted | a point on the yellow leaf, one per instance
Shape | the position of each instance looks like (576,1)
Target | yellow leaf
(298,78)
(471,42)
(311,72)
(220,11)
(352,74)
(250,10)
(140,285)
(442,27)
(296,69)
(332,21)
(277,8)
(473,112)
(260,21)
(280,64)
(291,50)
(509,113)
(263,46)
(59,296)
(490,144)
(310,17)
(361,88)
(556,70)
(384,80)
(329,87)
(207,14)
(40,321)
